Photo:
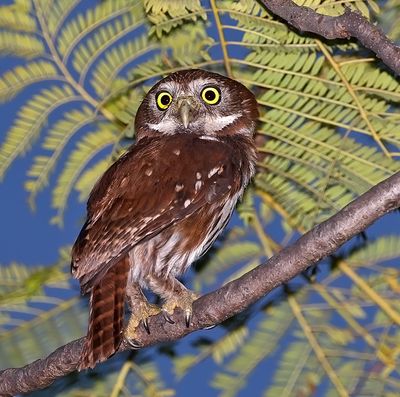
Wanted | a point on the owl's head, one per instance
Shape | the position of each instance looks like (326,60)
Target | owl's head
(198,102)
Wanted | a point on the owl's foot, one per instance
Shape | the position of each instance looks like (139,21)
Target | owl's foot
(183,300)
(140,314)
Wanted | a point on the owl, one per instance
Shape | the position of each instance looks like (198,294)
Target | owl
(161,205)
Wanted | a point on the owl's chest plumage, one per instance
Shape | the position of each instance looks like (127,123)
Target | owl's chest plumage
(173,250)
(219,179)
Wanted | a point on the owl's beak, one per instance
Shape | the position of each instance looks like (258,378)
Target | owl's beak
(185,110)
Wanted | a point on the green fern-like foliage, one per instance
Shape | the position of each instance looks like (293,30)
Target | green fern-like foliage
(329,130)
(35,301)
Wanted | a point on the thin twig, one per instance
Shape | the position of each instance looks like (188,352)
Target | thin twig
(220,30)
(318,351)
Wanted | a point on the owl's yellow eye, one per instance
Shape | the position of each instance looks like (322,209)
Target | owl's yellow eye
(163,100)
(211,95)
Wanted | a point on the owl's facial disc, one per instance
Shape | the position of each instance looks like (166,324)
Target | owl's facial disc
(197,109)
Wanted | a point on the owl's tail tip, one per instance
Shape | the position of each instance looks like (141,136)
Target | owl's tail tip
(106,317)
(90,358)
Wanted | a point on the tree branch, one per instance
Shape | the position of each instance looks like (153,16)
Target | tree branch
(233,297)
(350,24)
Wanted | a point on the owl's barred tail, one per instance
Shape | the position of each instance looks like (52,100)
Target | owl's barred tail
(106,317)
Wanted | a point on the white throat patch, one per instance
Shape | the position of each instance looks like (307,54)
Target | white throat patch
(166,126)
(211,124)
(214,124)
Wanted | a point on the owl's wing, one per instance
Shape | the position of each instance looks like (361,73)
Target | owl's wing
(157,183)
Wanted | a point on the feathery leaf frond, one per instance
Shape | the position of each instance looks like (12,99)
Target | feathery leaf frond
(260,343)
(32,313)
(58,13)
(85,149)
(219,350)
(17,17)
(87,53)
(85,23)
(22,45)
(168,15)
(56,140)
(15,80)
(115,60)
(30,120)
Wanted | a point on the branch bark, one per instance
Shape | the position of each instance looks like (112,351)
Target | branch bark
(233,297)
(345,26)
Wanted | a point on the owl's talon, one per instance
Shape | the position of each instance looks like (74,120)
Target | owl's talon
(140,314)
(188,318)
(146,325)
(133,343)
(183,300)
(167,317)
(210,327)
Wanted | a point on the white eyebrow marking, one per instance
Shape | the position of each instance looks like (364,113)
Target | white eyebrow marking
(203,81)
(166,126)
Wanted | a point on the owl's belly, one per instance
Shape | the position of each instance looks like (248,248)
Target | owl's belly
(173,250)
